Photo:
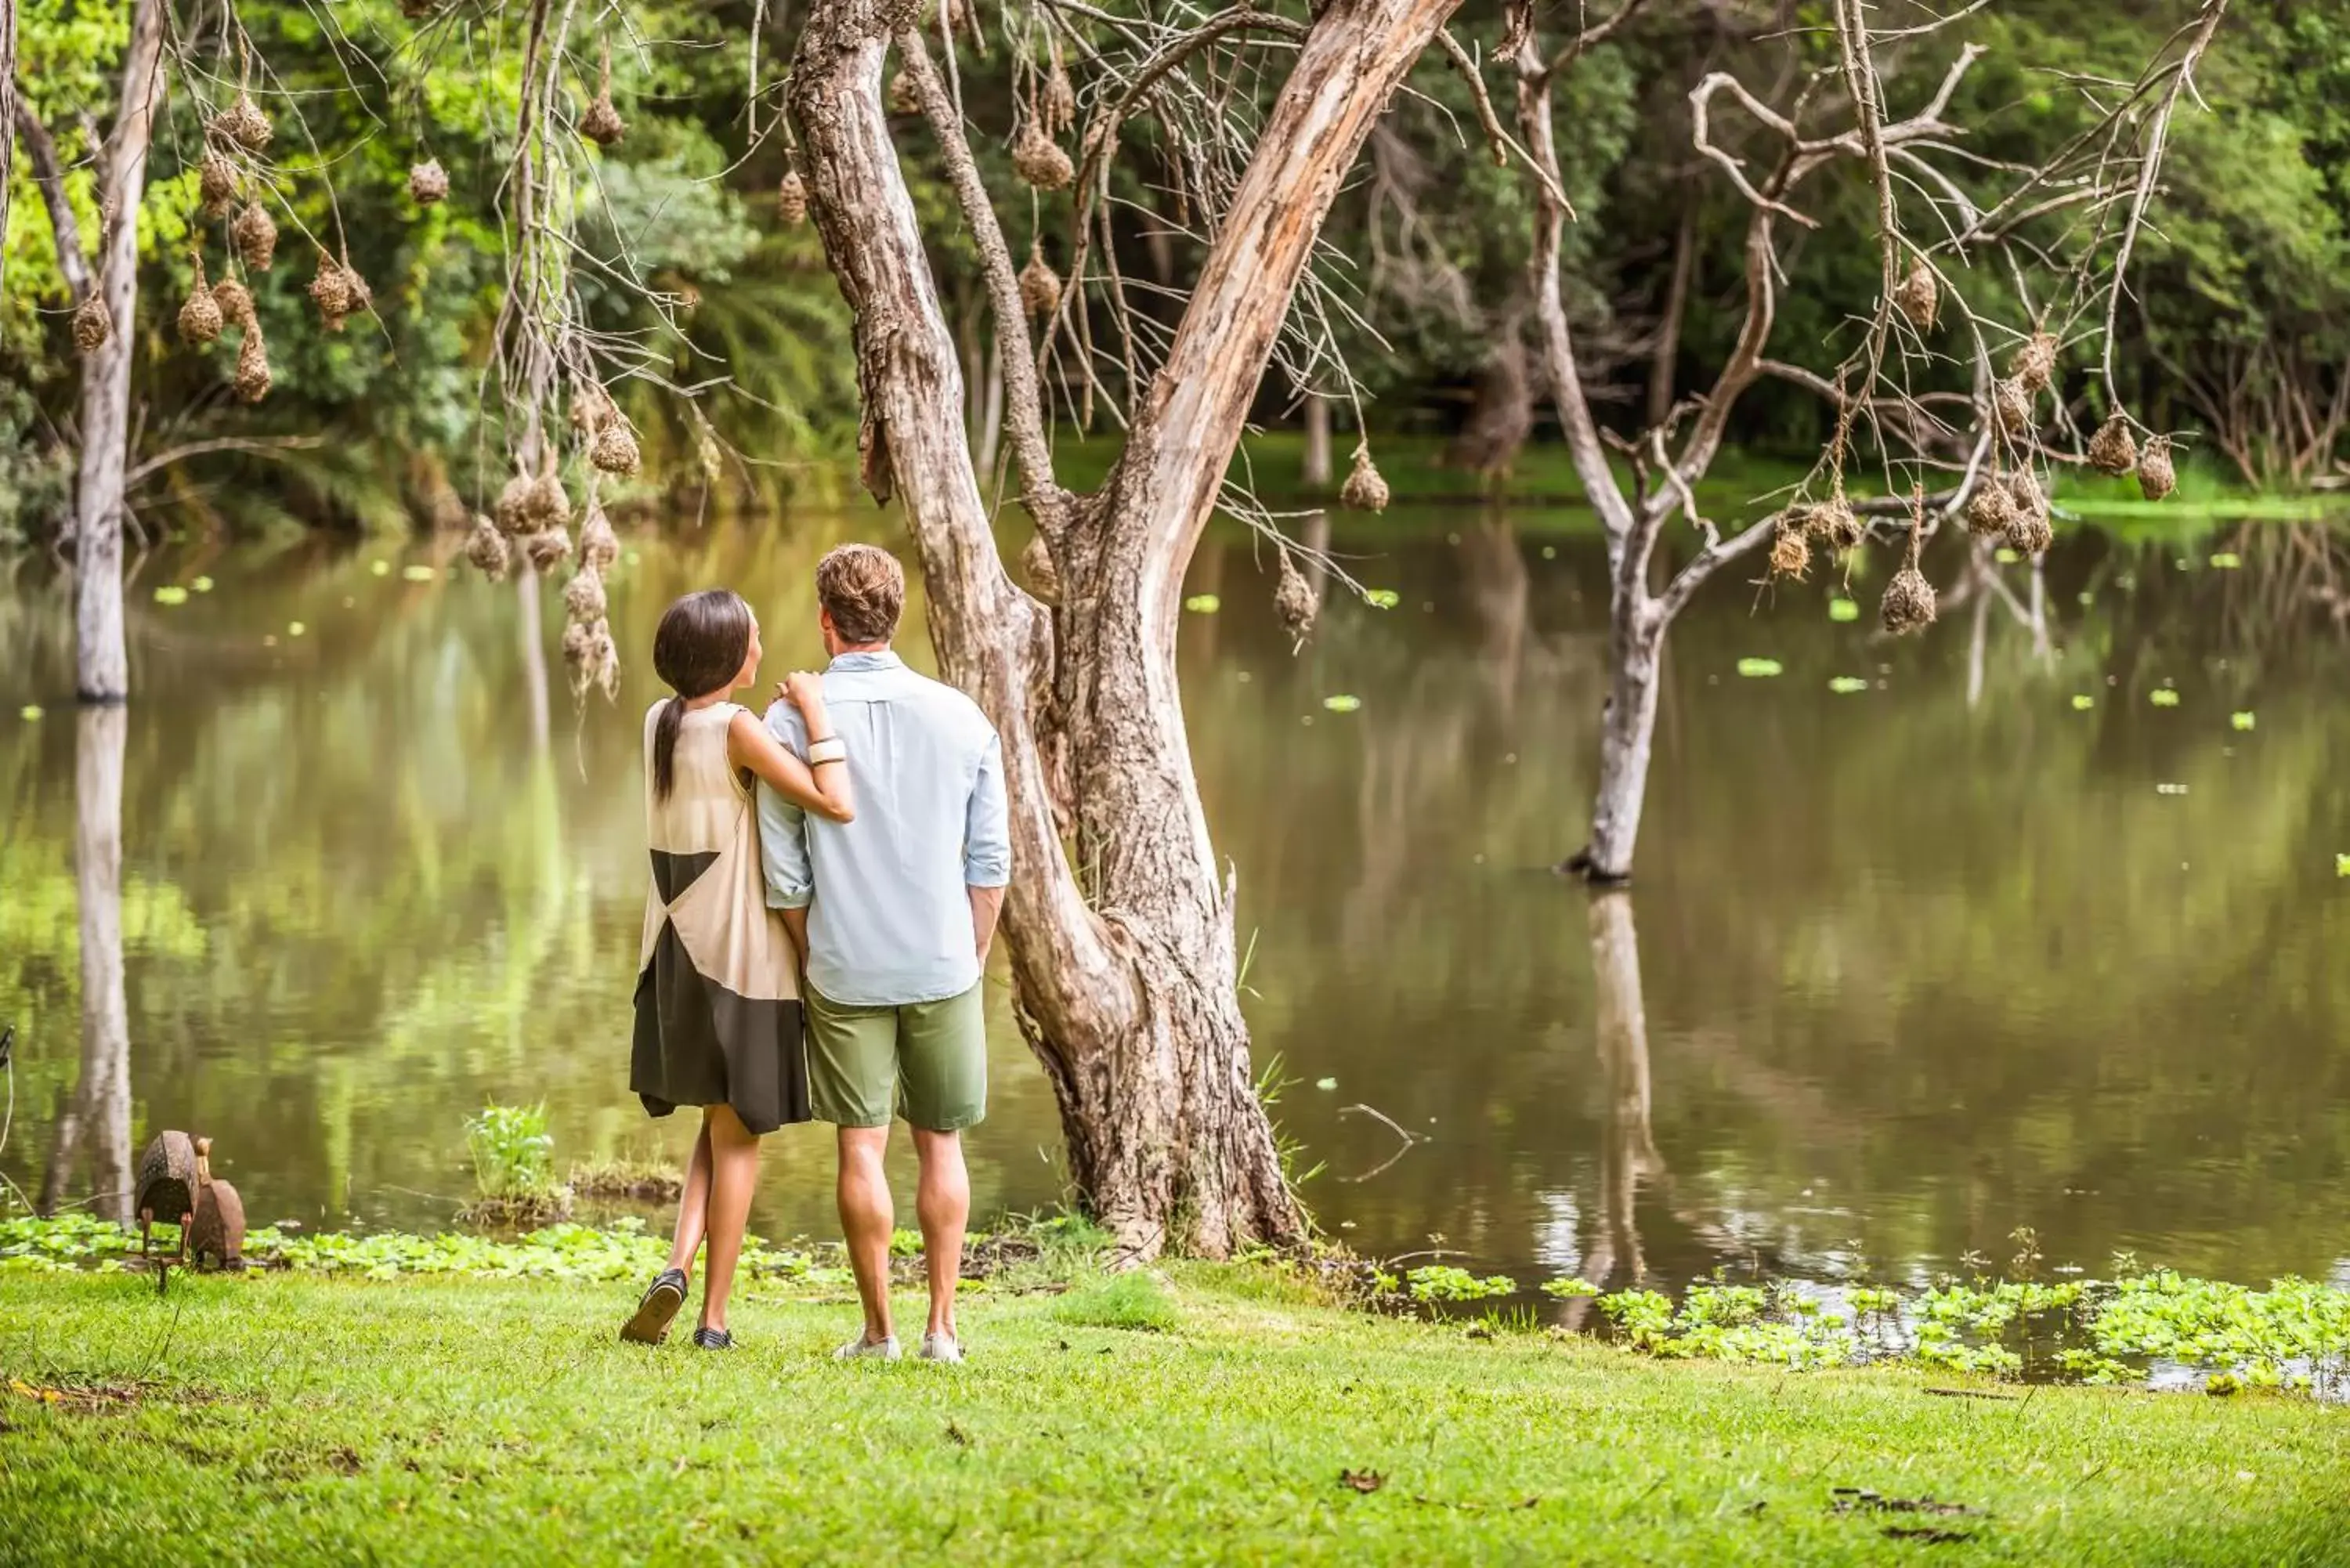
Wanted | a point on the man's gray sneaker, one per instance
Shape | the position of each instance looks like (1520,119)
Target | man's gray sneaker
(860,1348)
(941,1348)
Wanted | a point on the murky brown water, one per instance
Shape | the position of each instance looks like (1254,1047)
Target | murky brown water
(1906,969)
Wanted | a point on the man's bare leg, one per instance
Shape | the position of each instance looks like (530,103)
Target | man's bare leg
(942,1203)
(866,1220)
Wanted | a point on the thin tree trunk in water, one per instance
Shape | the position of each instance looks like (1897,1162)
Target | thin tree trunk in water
(1627,732)
(103,1095)
(1317,443)
(1669,331)
(102,666)
(1621,1029)
(1128,988)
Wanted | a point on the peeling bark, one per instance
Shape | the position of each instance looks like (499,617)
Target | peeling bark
(1128,985)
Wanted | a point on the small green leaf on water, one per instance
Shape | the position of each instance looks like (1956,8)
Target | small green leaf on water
(2226,561)
(2164,697)
(1550,552)
(201,585)
(415,573)
(2005,556)
(171,594)
(294,629)
(29,711)
(1846,685)
(1382,598)
(2341,863)
(1326,1083)
(1203,604)
(382,568)
(1844,609)
(2242,721)
(1342,704)
(1759,669)
(2081,704)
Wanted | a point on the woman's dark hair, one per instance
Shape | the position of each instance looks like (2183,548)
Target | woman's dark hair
(699,645)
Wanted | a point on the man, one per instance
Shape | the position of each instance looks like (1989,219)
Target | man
(893,914)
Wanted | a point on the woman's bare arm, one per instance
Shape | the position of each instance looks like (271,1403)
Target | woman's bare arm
(823,790)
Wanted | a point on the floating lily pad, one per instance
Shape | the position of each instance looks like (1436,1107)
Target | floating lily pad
(2341,866)
(171,594)
(2243,720)
(2226,561)
(1759,669)
(1382,598)
(29,711)
(1342,704)
(1844,609)
(2081,704)
(2164,697)
(201,585)
(1846,685)
(294,629)
(1203,604)
(382,568)
(1550,552)
(1326,1083)
(418,574)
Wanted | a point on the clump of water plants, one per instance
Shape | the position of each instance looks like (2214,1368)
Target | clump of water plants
(1366,489)
(513,1181)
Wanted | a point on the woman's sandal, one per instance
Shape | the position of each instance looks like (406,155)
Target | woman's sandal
(712,1339)
(649,1325)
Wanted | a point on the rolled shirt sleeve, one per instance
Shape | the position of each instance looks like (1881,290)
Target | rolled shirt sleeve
(783,827)
(987,828)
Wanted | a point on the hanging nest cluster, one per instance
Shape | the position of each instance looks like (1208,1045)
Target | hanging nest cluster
(614,449)
(1037,565)
(536,514)
(1296,602)
(1909,602)
(486,548)
(792,199)
(256,233)
(1791,551)
(2034,364)
(1038,159)
(92,323)
(602,124)
(1040,285)
(242,124)
(428,184)
(2013,406)
(1059,103)
(1364,490)
(2114,450)
(339,292)
(587,646)
(905,94)
(2156,478)
(200,315)
(1989,509)
(216,182)
(2028,529)
(252,379)
(1833,521)
(1917,297)
(599,545)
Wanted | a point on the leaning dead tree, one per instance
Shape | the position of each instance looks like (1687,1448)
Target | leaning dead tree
(2057,237)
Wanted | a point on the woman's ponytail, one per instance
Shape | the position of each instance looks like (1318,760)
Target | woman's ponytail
(665,731)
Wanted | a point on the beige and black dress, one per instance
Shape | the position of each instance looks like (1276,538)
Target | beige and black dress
(718,1000)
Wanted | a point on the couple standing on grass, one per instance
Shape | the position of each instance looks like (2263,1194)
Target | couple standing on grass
(858,837)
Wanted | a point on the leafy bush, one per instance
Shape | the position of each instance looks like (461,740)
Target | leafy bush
(512,1152)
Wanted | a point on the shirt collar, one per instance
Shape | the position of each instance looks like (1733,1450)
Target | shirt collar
(845,662)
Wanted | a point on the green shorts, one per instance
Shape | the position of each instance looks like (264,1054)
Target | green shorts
(926,1061)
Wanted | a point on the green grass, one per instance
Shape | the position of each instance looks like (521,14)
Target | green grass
(288,1417)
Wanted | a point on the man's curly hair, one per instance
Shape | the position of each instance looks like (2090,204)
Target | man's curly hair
(864,590)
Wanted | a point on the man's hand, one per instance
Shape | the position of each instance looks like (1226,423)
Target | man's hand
(986,904)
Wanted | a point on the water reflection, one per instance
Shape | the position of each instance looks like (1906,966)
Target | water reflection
(1911,966)
(89,1151)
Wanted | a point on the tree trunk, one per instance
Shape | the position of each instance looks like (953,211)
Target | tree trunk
(1668,349)
(1627,729)
(102,667)
(103,1095)
(1127,987)
(1621,1030)
(1316,474)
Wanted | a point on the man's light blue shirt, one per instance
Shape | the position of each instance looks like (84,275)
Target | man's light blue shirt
(889,917)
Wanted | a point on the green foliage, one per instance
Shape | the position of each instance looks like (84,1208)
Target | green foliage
(1133,1300)
(513,1152)
(1443,1283)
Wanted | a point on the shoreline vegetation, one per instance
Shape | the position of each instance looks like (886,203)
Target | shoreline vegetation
(1260,1413)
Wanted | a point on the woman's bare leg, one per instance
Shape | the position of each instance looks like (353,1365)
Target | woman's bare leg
(733,1174)
(692,1204)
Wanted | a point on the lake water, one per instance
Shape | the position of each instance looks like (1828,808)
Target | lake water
(1906,968)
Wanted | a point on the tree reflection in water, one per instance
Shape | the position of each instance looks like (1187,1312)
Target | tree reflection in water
(97,1121)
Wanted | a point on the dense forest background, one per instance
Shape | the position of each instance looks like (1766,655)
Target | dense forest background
(2237,331)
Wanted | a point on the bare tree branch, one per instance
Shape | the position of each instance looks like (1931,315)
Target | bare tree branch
(49,176)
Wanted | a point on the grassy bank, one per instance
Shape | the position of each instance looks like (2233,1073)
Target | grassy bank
(1205,1415)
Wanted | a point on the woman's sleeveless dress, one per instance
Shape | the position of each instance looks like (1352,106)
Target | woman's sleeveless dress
(718,1008)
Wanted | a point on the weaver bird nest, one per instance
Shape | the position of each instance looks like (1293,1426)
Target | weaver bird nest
(339,292)
(242,124)
(2028,529)
(487,549)
(2114,450)
(1040,286)
(1060,100)
(2013,405)
(1791,553)
(1989,509)
(595,660)
(599,545)
(256,233)
(905,94)
(252,379)
(792,199)
(1296,602)
(1038,159)
(199,316)
(583,596)
(216,182)
(2034,364)
(428,184)
(2155,477)
(1834,521)
(1918,297)
(1364,490)
(92,323)
(614,449)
